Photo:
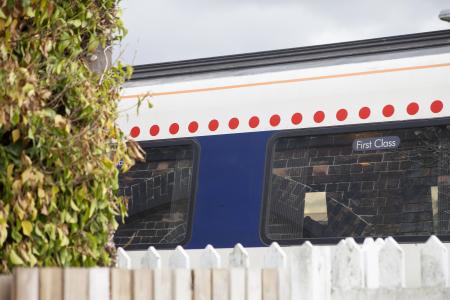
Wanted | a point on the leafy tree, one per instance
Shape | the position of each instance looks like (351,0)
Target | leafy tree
(59,145)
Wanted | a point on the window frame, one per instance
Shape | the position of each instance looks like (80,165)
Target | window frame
(327,130)
(195,167)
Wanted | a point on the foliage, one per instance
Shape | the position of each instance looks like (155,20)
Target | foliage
(59,145)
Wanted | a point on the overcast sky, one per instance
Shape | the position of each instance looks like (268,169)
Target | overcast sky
(170,30)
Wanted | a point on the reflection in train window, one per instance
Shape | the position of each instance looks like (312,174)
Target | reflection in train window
(377,183)
(159,193)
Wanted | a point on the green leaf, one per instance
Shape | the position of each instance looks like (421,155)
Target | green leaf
(76,23)
(74,206)
(93,44)
(30,12)
(27,227)
(92,207)
(15,135)
(3,234)
(15,258)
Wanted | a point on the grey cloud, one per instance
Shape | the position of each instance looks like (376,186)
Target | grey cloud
(167,30)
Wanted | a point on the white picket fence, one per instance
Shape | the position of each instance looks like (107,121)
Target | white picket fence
(373,270)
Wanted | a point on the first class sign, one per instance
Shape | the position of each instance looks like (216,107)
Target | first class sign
(377,143)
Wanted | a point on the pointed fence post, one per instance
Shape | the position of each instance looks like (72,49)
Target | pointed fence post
(379,242)
(238,260)
(274,257)
(434,263)
(179,259)
(391,265)
(151,259)
(371,263)
(181,285)
(210,259)
(310,272)
(304,272)
(347,267)
(239,257)
(123,259)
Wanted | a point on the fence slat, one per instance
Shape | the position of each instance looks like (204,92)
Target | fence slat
(120,284)
(304,271)
(202,284)
(142,282)
(270,284)
(182,282)
(220,284)
(6,286)
(179,259)
(434,263)
(391,265)
(347,266)
(76,284)
(371,264)
(151,259)
(254,284)
(237,283)
(162,281)
(210,258)
(274,257)
(238,258)
(123,259)
(379,242)
(50,284)
(99,281)
(30,279)
(284,284)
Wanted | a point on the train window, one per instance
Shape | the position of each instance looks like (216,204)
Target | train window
(375,183)
(160,195)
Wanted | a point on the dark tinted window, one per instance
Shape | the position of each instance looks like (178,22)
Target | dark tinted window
(160,195)
(377,183)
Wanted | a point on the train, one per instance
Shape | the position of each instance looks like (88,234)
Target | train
(314,143)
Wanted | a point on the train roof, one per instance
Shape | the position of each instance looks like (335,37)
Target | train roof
(336,53)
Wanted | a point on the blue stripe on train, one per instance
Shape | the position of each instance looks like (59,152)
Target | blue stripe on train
(229,192)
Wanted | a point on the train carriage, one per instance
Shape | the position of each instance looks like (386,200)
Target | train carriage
(314,143)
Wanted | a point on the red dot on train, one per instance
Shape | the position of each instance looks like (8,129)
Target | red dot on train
(135,131)
(233,123)
(296,118)
(154,130)
(437,106)
(341,114)
(253,122)
(213,125)
(173,129)
(412,108)
(364,112)
(319,116)
(193,127)
(274,120)
(388,111)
